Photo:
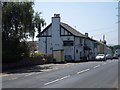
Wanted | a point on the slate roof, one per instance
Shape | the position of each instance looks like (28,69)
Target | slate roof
(72,30)
(68,28)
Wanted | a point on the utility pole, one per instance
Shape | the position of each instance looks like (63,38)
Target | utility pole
(103,44)
(119,23)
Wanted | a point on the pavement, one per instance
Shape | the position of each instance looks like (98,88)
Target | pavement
(36,68)
(103,74)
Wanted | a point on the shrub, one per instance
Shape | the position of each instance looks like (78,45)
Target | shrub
(38,54)
(49,58)
(14,51)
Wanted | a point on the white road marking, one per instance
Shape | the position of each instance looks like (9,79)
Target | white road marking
(104,63)
(57,80)
(47,70)
(38,72)
(5,75)
(13,78)
(29,74)
(96,66)
(83,71)
(55,68)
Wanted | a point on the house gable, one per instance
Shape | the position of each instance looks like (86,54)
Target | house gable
(72,30)
(47,32)
(65,32)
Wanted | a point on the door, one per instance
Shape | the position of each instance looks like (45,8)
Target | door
(77,54)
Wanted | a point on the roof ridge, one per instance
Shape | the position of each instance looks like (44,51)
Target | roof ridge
(74,31)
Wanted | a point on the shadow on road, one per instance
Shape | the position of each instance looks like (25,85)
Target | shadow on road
(36,68)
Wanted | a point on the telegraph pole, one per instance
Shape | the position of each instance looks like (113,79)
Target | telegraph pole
(119,23)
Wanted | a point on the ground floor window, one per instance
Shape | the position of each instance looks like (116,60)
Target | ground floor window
(67,43)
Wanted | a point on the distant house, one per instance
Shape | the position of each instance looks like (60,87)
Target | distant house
(108,50)
(103,48)
(117,52)
(59,36)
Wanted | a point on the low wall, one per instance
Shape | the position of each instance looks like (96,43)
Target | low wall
(23,63)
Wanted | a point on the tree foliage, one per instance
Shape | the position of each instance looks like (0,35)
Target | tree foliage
(113,48)
(17,26)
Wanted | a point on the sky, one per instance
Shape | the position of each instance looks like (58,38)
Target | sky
(95,18)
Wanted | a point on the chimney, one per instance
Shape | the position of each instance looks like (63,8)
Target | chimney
(56,24)
(57,15)
(56,39)
(56,21)
(91,37)
(86,34)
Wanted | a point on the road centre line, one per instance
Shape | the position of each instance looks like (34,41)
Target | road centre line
(29,74)
(13,78)
(38,72)
(56,80)
(104,63)
(83,71)
(96,66)
(5,75)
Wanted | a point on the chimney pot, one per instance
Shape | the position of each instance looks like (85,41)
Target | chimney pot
(86,34)
(56,15)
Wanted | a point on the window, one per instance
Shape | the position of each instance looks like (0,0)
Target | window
(67,43)
(95,45)
(80,41)
(77,51)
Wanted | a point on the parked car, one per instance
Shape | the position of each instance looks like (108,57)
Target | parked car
(101,57)
(109,56)
(115,56)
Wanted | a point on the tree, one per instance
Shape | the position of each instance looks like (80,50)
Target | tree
(38,22)
(113,48)
(17,26)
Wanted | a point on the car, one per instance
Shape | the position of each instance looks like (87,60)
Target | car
(109,56)
(101,57)
(115,57)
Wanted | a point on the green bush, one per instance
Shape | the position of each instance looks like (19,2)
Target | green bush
(14,51)
(38,54)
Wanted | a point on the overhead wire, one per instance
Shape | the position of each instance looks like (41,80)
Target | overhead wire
(104,28)
(105,32)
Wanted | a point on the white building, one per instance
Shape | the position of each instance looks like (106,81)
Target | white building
(60,36)
(117,52)
(108,50)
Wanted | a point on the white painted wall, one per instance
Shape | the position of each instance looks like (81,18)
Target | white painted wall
(78,48)
(41,45)
(49,31)
(49,45)
(68,50)
(56,40)
(108,50)
(94,51)
(62,31)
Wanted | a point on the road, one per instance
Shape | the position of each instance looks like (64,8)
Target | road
(102,74)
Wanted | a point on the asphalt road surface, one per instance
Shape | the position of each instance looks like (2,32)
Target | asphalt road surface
(103,74)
